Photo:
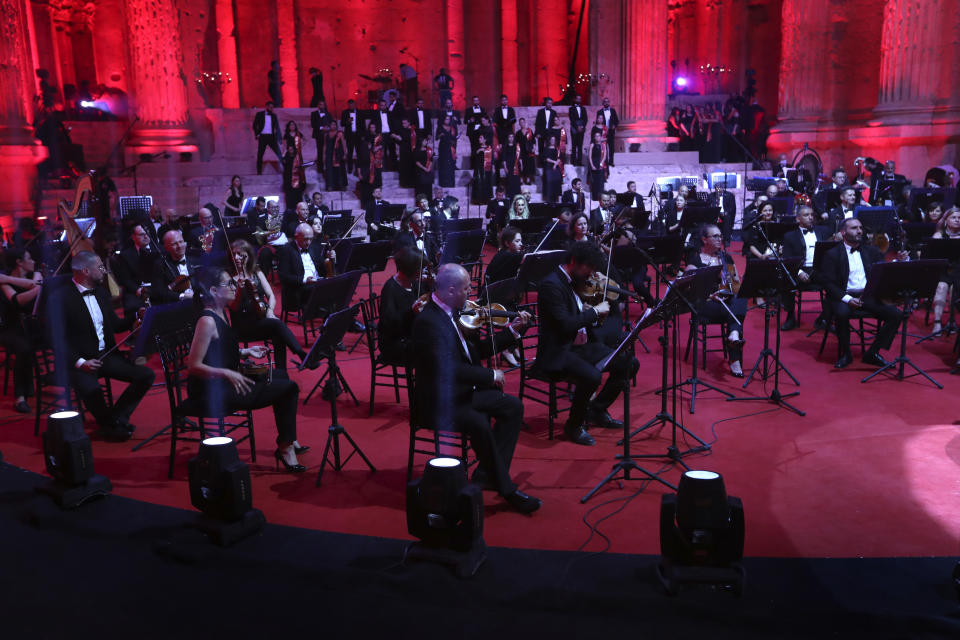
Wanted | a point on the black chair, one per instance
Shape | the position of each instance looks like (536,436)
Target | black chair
(439,442)
(536,385)
(52,391)
(174,348)
(702,325)
(861,329)
(370,309)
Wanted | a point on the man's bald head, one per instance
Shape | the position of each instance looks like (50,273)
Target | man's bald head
(303,235)
(452,285)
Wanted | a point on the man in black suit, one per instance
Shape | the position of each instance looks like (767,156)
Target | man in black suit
(722,198)
(886,185)
(320,122)
(602,216)
(196,236)
(545,123)
(413,233)
(266,129)
(132,267)
(316,83)
(848,204)
(578,126)
(612,120)
(498,210)
(568,349)
(169,267)
(83,325)
(801,243)
(454,391)
(373,212)
(575,197)
(298,264)
(844,275)
(421,120)
(257,217)
(293,219)
(504,119)
(351,123)
(387,126)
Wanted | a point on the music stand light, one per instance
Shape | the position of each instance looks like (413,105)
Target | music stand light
(69,460)
(220,490)
(445,513)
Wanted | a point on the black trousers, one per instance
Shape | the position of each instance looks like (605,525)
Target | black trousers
(20,348)
(576,153)
(274,330)
(494,446)
(265,140)
(351,139)
(115,367)
(321,141)
(790,297)
(888,315)
(281,393)
(579,367)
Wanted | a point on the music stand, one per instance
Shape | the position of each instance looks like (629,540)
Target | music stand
(767,279)
(332,332)
(663,250)
(625,464)
(327,297)
(776,230)
(536,265)
(907,281)
(369,258)
(336,223)
(918,233)
(461,224)
(694,218)
(544,209)
(782,205)
(462,246)
(530,228)
(943,249)
(876,219)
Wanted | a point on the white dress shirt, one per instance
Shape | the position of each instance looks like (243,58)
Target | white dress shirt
(96,315)
(809,239)
(309,269)
(857,280)
(267,124)
(384,123)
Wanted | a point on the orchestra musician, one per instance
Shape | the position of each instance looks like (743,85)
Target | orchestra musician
(506,262)
(844,276)
(274,238)
(453,390)
(578,230)
(610,121)
(170,269)
(601,218)
(20,290)
(518,208)
(497,212)
(567,348)
(575,197)
(400,301)
(413,234)
(299,263)
(711,254)
(131,268)
(294,218)
(727,203)
(801,243)
(214,370)
(754,243)
(253,288)
(843,211)
(632,199)
(316,206)
(948,227)
(207,237)
(373,212)
(82,326)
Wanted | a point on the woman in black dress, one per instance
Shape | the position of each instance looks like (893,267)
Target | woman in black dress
(755,246)
(483,163)
(214,370)
(335,153)
(233,201)
(597,158)
(511,166)
(505,263)
(447,152)
(294,183)
(552,171)
(424,161)
(528,146)
(244,315)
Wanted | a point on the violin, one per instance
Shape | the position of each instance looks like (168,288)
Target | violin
(245,284)
(592,291)
(474,315)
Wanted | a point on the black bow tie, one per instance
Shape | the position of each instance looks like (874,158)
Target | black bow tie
(806,231)
(88,292)
(182,262)
(854,249)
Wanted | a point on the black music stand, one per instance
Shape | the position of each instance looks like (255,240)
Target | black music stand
(663,250)
(625,464)
(876,219)
(334,328)
(531,228)
(462,246)
(327,297)
(906,281)
(544,209)
(776,230)
(680,299)
(461,224)
(369,258)
(782,205)
(554,237)
(536,265)
(918,233)
(769,279)
(943,249)
(704,285)
(336,223)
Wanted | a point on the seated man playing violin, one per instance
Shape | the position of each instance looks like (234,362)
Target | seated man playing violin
(568,347)
(172,273)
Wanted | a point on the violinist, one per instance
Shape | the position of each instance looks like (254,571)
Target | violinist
(413,233)
(299,263)
(294,182)
(568,349)
(711,254)
(20,291)
(400,301)
(132,269)
(172,273)
(578,230)
(251,312)
(801,243)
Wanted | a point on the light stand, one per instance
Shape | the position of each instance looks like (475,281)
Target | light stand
(69,460)
(220,490)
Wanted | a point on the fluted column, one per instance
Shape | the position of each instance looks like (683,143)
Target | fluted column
(644,75)
(161,95)
(456,47)
(227,55)
(287,50)
(804,69)
(509,50)
(19,151)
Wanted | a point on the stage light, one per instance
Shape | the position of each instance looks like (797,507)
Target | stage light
(87,103)
(681,81)
(68,457)
(220,489)
(446,513)
(701,534)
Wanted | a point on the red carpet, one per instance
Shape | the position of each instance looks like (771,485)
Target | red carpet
(872,470)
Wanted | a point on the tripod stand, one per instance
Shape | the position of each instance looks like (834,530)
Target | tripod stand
(772,312)
(334,327)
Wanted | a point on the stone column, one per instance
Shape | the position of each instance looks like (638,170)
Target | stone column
(227,55)
(456,47)
(287,52)
(644,75)
(804,68)
(19,151)
(160,93)
(509,51)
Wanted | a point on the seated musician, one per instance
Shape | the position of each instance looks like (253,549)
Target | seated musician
(246,318)
(579,230)
(497,212)
(20,291)
(601,218)
(413,234)
(132,268)
(506,262)
(801,243)
(172,272)
(399,304)
(844,276)
(273,239)
(208,236)
(316,207)
(293,219)
(755,245)
(568,349)
(83,325)
(454,390)
(711,254)
(574,196)
(843,211)
(948,227)
(257,217)
(299,263)
(373,213)
(214,370)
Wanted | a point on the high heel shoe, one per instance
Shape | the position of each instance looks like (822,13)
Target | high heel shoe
(292,468)
(303,449)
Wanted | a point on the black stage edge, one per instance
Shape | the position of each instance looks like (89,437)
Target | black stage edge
(119,568)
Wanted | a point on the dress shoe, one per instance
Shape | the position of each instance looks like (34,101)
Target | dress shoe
(21,406)
(874,359)
(303,449)
(603,419)
(522,502)
(788,325)
(340,346)
(736,369)
(579,435)
(820,323)
(292,468)
(844,361)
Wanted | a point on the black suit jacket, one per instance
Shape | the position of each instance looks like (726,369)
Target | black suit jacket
(614,118)
(729,202)
(132,268)
(427,122)
(318,120)
(289,223)
(473,114)
(498,211)
(290,266)
(794,245)
(260,119)
(835,269)
(560,320)
(73,333)
(406,239)
(579,205)
(345,122)
(256,219)
(446,378)
(541,125)
(578,121)
(443,113)
(504,123)
(372,212)
(835,216)
(596,219)
(164,273)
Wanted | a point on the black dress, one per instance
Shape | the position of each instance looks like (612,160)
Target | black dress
(552,176)
(234,202)
(424,178)
(219,396)
(395,328)
(335,169)
(292,194)
(508,160)
(502,266)
(597,176)
(448,159)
